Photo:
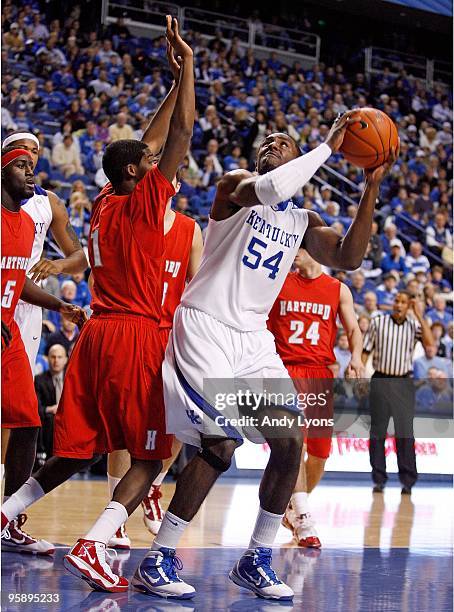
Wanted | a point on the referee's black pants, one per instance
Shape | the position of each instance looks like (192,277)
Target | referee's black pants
(392,396)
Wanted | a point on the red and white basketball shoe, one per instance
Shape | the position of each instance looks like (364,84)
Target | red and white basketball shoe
(87,560)
(152,511)
(15,539)
(305,532)
(121,540)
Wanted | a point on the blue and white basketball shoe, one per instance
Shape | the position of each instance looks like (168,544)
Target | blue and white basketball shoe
(254,572)
(157,575)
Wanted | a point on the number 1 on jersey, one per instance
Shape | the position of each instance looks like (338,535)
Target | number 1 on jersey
(96,252)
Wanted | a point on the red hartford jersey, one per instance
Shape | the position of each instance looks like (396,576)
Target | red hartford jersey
(177,251)
(18,234)
(126,247)
(303,320)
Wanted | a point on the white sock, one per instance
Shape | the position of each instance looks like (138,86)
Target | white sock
(158,480)
(170,532)
(2,471)
(300,503)
(111,519)
(265,530)
(112,482)
(24,497)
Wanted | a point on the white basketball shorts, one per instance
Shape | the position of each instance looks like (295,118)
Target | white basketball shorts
(201,351)
(30,320)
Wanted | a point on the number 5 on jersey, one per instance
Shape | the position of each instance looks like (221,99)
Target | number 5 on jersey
(298,328)
(7,297)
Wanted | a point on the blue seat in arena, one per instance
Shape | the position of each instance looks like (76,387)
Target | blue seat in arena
(55,175)
(42,116)
(80,177)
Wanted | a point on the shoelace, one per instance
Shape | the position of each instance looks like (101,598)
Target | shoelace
(170,563)
(156,493)
(263,559)
(102,554)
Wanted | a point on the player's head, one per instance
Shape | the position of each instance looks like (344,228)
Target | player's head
(126,162)
(304,263)
(276,149)
(17,173)
(24,140)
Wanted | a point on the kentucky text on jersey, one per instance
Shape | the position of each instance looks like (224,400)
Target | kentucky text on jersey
(324,310)
(275,234)
(173,267)
(15,263)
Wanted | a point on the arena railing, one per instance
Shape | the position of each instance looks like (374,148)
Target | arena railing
(431,71)
(290,45)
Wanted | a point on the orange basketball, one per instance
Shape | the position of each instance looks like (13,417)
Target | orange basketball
(367,144)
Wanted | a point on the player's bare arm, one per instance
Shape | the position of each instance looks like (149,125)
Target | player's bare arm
(66,238)
(355,368)
(196,252)
(347,253)
(182,121)
(291,172)
(156,132)
(33,294)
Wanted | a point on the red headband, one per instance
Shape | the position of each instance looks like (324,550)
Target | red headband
(7,158)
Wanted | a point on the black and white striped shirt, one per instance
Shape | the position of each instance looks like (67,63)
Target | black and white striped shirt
(393,344)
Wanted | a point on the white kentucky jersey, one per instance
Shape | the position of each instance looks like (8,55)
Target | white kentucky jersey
(245,261)
(40,210)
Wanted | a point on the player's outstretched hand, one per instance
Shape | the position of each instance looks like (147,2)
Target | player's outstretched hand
(178,45)
(6,336)
(336,134)
(376,175)
(76,314)
(44,268)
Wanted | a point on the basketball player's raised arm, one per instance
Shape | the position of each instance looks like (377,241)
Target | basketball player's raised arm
(196,252)
(182,120)
(156,132)
(346,253)
(347,315)
(33,294)
(284,181)
(66,238)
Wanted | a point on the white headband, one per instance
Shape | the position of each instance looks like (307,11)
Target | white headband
(21,136)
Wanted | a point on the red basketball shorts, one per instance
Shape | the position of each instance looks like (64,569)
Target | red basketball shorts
(112,397)
(315,381)
(19,403)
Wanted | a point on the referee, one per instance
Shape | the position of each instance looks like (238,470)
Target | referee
(392,338)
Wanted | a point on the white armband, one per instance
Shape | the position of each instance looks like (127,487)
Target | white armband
(282,183)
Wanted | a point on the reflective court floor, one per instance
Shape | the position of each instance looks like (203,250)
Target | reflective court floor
(380,552)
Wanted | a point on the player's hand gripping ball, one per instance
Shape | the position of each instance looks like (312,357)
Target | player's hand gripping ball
(368,141)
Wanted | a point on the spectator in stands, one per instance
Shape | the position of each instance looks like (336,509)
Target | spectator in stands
(120,129)
(182,204)
(370,305)
(438,235)
(49,386)
(342,352)
(39,30)
(430,360)
(394,260)
(439,311)
(415,260)
(435,395)
(212,155)
(390,235)
(358,289)
(83,296)
(448,340)
(68,293)
(437,279)
(66,157)
(13,40)
(387,291)
(438,333)
(363,323)
(101,84)
(66,335)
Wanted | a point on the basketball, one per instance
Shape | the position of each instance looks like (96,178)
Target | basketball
(367,144)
